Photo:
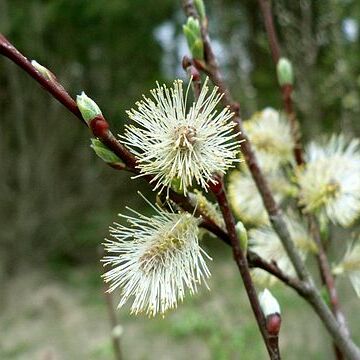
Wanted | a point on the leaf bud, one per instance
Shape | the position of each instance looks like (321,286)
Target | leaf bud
(285,72)
(46,73)
(103,152)
(192,33)
(88,107)
(242,236)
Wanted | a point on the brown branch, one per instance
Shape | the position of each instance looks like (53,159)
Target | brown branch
(241,261)
(53,87)
(265,6)
(213,71)
(255,261)
(313,296)
(326,275)
(286,90)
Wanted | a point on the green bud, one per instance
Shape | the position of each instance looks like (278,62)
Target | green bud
(103,152)
(285,72)
(88,107)
(46,73)
(192,33)
(197,49)
(200,7)
(242,236)
(194,26)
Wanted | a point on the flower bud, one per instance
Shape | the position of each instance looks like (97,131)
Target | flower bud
(285,72)
(88,107)
(200,7)
(271,310)
(103,152)
(269,305)
(192,33)
(46,73)
(242,236)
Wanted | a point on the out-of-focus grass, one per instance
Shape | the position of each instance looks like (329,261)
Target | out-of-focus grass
(61,315)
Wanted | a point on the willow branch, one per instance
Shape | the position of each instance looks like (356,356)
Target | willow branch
(59,93)
(286,90)
(211,68)
(241,262)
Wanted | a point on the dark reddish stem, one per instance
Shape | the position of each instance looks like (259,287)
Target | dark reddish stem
(53,87)
(277,220)
(286,90)
(265,6)
(193,74)
(329,282)
(243,266)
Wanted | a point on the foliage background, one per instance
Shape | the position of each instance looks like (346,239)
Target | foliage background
(57,199)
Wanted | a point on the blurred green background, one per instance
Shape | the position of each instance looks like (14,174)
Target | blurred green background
(57,199)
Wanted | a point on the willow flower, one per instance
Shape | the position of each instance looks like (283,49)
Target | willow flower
(154,260)
(350,266)
(171,143)
(246,201)
(330,182)
(265,242)
(270,134)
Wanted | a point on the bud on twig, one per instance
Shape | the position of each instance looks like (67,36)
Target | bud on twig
(271,310)
(285,72)
(269,305)
(104,153)
(46,73)
(88,107)
(192,33)
(242,236)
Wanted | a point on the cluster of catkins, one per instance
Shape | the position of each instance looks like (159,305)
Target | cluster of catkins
(156,259)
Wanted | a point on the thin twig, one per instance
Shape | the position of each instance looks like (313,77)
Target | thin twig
(313,295)
(241,261)
(286,90)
